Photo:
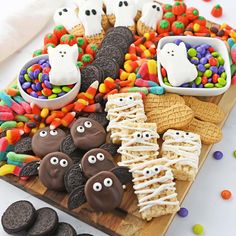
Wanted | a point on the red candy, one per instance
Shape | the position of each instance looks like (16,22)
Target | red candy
(50,39)
(204,80)
(36,67)
(59,31)
(47,92)
(212,61)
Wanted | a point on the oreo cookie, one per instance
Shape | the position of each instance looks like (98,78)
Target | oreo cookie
(124,31)
(100,118)
(112,52)
(46,223)
(18,217)
(76,198)
(84,235)
(74,178)
(109,66)
(111,148)
(24,146)
(67,145)
(89,74)
(65,229)
(118,40)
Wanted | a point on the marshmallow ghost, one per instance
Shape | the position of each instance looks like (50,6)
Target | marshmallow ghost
(140,3)
(125,12)
(91,17)
(175,60)
(63,59)
(67,17)
(151,14)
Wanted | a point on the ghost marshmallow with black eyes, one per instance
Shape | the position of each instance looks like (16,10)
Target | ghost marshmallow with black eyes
(52,170)
(46,141)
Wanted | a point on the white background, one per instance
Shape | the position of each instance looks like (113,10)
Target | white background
(203,200)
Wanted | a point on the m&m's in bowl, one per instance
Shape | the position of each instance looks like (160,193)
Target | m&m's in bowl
(34,85)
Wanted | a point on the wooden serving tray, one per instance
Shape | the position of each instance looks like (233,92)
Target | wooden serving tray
(126,220)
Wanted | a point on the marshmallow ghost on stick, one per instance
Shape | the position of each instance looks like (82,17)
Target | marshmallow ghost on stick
(175,60)
(63,59)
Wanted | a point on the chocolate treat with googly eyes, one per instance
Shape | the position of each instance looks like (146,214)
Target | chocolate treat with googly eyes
(52,170)
(95,161)
(46,141)
(87,133)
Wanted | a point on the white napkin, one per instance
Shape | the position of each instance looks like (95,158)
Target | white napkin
(21,20)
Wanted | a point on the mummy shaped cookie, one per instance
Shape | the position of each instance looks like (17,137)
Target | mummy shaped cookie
(87,133)
(139,5)
(46,141)
(103,191)
(63,59)
(67,17)
(151,14)
(123,107)
(125,12)
(91,18)
(52,170)
(175,60)
(183,150)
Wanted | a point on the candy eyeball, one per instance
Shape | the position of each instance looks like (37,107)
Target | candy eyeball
(88,124)
(54,160)
(92,159)
(146,135)
(100,156)
(156,169)
(121,102)
(43,134)
(130,99)
(147,172)
(80,129)
(138,135)
(97,187)
(63,163)
(53,132)
(108,182)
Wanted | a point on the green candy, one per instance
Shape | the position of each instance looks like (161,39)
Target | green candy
(40,76)
(200,73)
(222,81)
(29,70)
(21,118)
(221,60)
(209,85)
(165,79)
(27,78)
(56,90)
(217,85)
(207,66)
(52,96)
(198,80)
(66,89)
(234,153)
(198,229)
(192,52)
(208,73)
(223,75)
(215,54)
(168,84)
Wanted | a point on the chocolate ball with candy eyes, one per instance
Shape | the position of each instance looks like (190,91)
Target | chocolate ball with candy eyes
(46,141)
(87,133)
(95,161)
(104,191)
(52,170)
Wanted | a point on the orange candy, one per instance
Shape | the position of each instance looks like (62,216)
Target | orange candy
(226,194)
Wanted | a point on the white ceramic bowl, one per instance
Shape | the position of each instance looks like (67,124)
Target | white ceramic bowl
(219,47)
(52,104)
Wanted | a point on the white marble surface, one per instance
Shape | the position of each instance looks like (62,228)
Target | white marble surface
(203,200)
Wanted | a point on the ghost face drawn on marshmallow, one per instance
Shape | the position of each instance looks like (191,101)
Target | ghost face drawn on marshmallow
(67,17)
(87,134)
(151,14)
(63,59)
(52,170)
(175,60)
(91,17)
(125,12)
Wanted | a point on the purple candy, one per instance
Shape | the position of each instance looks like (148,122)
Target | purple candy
(188,46)
(44,77)
(209,80)
(201,68)
(39,86)
(61,94)
(194,61)
(205,46)
(203,60)
(208,56)
(34,94)
(221,69)
(186,85)
(41,61)
(31,75)
(200,86)
(194,85)
(201,50)
(199,56)
(42,97)
(21,79)
(26,85)
(36,73)
(47,84)
(45,65)
(218,155)
(33,86)
(23,72)
(183,212)
(178,41)
(214,69)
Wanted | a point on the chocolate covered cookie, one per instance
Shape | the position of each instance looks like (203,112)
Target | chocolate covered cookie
(87,133)
(46,141)
(18,217)
(95,161)
(52,170)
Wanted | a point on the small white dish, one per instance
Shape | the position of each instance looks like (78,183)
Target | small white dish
(219,46)
(51,104)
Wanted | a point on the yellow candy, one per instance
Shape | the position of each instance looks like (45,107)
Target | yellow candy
(7,169)
(124,75)
(20,124)
(44,113)
(41,125)
(142,47)
(34,130)
(102,88)
(152,66)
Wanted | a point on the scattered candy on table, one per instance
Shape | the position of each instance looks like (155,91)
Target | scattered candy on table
(198,229)
(217,11)
(218,155)
(226,194)
(234,153)
(183,212)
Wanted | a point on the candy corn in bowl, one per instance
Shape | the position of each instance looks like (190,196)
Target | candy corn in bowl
(34,85)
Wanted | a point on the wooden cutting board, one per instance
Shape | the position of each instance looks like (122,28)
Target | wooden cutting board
(126,220)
